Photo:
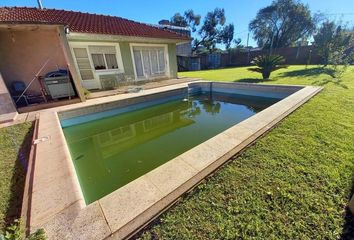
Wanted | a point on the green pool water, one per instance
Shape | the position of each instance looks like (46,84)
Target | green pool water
(110,152)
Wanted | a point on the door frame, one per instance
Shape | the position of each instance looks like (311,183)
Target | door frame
(167,60)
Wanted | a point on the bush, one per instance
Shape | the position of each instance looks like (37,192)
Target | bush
(86,93)
(267,64)
(16,232)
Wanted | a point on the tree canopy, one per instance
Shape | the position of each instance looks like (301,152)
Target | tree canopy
(334,43)
(226,35)
(282,24)
(211,32)
(188,19)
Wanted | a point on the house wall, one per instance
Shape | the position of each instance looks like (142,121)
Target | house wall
(172,59)
(128,63)
(23,53)
(125,50)
(6,103)
(127,59)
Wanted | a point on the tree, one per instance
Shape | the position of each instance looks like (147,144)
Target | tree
(211,30)
(266,64)
(334,43)
(189,19)
(226,36)
(282,24)
(237,44)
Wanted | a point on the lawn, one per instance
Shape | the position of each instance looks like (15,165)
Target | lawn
(293,183)
(14,150)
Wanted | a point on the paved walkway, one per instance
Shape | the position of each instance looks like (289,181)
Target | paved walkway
(145,86)
(106,96)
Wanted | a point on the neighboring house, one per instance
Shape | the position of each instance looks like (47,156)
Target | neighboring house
(93,48)
(184,48)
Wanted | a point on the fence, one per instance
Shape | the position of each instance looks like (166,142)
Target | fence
(242,57)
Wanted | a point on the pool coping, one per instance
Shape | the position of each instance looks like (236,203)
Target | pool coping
(56,201)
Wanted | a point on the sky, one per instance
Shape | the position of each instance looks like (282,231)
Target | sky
(240,12)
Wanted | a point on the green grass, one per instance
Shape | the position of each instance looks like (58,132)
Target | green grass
(14,149)
(293,183)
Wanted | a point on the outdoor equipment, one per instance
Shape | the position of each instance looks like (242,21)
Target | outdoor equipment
(58,84)
(23,98)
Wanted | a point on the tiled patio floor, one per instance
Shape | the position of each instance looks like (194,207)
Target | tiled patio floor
(145,86)
(31,116)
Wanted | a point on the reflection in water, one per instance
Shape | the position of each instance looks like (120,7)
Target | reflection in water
(110,152)
(139,132)
(192,111)
(211,106)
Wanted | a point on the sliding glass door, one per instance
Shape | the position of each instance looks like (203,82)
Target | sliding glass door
(149,62)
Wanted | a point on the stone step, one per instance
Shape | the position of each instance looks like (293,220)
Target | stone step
(8,117)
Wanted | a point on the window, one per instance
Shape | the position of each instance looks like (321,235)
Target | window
(98,61)
(138,64)
(161,55)
(104,57)
(111,61)
(104,61)
(149,61)
(158,121)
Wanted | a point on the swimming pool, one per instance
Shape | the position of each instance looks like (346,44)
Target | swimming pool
(55,198)
(112,148)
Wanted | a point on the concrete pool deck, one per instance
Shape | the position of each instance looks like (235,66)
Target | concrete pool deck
(54,199)
(99,98)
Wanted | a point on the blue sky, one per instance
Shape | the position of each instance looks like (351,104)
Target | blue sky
(238,12)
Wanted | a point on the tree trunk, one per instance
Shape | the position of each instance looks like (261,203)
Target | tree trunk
(266,75)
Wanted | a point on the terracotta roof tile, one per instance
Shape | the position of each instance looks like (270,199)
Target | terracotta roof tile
(85,22)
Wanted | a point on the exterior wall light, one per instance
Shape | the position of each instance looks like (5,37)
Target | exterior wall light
(67,30)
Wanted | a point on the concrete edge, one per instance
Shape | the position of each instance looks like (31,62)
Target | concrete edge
(98,106)
(26,199)
(51,189)
(73,175)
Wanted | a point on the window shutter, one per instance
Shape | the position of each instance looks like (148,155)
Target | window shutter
(83,63)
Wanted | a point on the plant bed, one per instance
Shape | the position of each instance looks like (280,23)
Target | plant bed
(15,144)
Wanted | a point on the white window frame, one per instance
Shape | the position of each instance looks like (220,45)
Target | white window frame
(105,62)
(169,117)
(97,73)
(167,62)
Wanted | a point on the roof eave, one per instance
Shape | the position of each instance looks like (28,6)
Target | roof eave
(79,36)
(31,23)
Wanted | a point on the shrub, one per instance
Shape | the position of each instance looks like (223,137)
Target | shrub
(267,64)
(86,93)
(16,232)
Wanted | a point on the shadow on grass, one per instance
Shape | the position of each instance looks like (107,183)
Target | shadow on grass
(308,72)
(18,180)
(253,80)
(348,227)
(335,81)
